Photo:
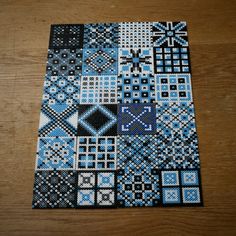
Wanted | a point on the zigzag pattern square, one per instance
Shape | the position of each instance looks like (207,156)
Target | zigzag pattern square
(117,124)
(136,89)
(61,90)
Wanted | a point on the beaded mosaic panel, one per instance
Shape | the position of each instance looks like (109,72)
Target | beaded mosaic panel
(117,124)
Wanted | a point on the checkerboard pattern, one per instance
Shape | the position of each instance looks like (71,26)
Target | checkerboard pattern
(117,124)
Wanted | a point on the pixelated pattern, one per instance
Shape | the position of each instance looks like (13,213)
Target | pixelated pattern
(171,60)
(61,90)
(180,187)
(136,119)
(58,120)
(96,189)
(135,35)
(66,36)
(101,35)
(136,89)
(136,61)
(64,62)
(56,153)
(169,34)
(98,89)
(54,189)
(96,153)
(173,87)
(117,125)
(97,119)
(100,61)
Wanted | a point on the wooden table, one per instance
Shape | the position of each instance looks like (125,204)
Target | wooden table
(24,32)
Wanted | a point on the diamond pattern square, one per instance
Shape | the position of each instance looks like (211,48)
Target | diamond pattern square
(117,123)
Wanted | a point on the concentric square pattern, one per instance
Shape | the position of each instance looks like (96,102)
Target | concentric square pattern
(117,124)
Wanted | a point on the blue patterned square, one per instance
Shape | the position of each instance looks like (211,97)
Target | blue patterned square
(56,153)
(86,197)
(136,61)
(191,195)
(136,89)
(61,90)
(58,120)
(136,119)
(64,62)
(189,177)
(171,195)
(100,61)
(170,178)
(106,180)
(102,35)
(86,179)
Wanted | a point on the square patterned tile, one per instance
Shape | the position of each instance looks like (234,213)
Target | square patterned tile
(117,124)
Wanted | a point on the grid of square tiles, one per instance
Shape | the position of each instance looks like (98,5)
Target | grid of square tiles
(117,126)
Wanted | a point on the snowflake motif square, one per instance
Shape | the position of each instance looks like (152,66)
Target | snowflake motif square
(104,35)
(96,153)
(97,120)
(138,187)
(98,89)
(56,153)
(136,119)
(58,121)
(100,61)
(136,61)
(134,151)
(169,34)
(96,189)
(64,62)
(171,60)
(61,90)
(173,87)
(136,89)
(135,35)
(54,189)
(66,36)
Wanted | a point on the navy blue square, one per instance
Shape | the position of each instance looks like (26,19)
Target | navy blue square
(136,119)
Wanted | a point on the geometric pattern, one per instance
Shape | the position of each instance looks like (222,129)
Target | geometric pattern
(101,35)
(169,34)
(173,87)
(171,60)
(136,118)
(136,89)
(98,89)
(138,187)
(100,61)
(58,120)
(135,35)
(96,153)
(135,61)
(117,124)
(64,62)
(96,189)
(97,119)
(54,189)
(56,153)
(181,187)
(66,36)
(61,90)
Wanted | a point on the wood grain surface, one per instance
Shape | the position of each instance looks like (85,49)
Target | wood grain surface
(24,32)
